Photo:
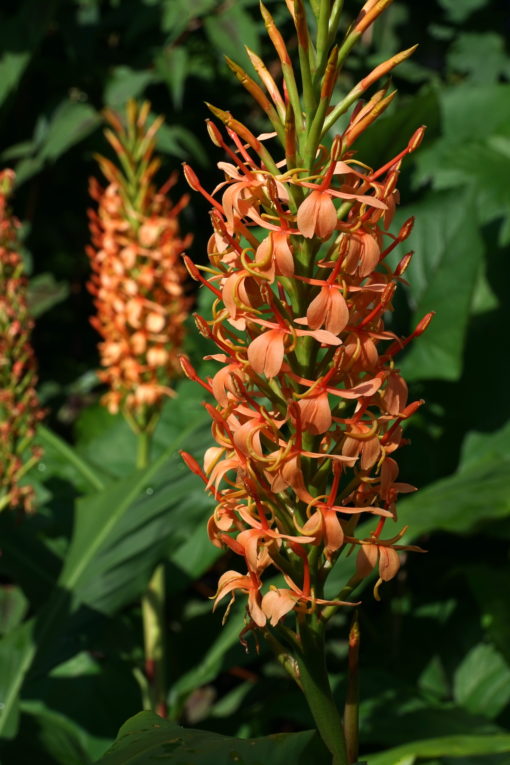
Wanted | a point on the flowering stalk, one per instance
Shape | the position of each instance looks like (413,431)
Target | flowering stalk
(138,283)
(138,280)
(20,410)
(309,402)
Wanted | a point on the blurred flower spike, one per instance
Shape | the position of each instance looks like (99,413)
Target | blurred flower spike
(20,410)
(309,403)
(138,280)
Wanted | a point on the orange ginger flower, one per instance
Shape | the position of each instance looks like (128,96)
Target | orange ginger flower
(138,279)
(309,403)
(20,410)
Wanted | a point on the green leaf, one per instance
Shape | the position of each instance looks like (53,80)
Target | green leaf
(112,554)
(58,736)
(212,662)
(125,83)
(172,66)
(178,141)
(44,292)
(146,737)
(482,682)
(490,584)
(121,533)
(481,56)
(19,38)
(458,504)
(177,15)
(68,725)
(460,10)
(230,29)
(448,251)
(69,124)
(15,654)
(13,607)
(62,459)
(471,113)
(446,746)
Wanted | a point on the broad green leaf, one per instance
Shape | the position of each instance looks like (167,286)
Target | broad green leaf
(44,292)
(27,556)
(212,662)
(478,446)
(230,29)
(481,56)
(58,736)
(448,250)
(472,112)
(457,504)
(108,444)
(490,584)
(173,68)
(482,682)
(126,529)
(447,746)
(460,10)
(60,458)
(19,38)
(177,14)
(125,83)
(13,607)
(146,737)
(16,651)
(180,142)
(70,123)
(111,557)
(68,725)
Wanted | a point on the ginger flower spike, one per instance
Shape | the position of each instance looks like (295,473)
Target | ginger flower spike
(20,410)
(138,280)
(309,402)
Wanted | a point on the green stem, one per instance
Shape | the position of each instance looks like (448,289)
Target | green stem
(143,450)
(153,613)
(315,682)
(351,709)
(322,39)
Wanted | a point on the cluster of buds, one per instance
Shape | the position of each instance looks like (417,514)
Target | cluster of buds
(138,279)
(20,410)
(309,403)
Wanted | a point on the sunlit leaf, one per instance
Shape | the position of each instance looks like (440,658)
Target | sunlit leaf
(147,737)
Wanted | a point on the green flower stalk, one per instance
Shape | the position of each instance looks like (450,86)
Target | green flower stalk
(20,410)
(139,289)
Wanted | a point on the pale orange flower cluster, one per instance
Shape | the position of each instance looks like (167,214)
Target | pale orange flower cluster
(20,410)
(309,402)
(138,279)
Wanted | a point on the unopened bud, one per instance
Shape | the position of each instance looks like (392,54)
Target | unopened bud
(416,138)
(403,264)
(187,368)
(406,229)
(191,268)
(202,325)
(423,324)
(191,177)
(214,133)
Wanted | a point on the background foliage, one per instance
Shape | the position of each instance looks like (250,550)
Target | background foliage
(435,653)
